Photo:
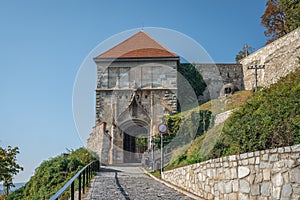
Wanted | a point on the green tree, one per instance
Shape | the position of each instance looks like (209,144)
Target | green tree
(8,166)
(274,21)
(280,17)
(247,49)
(291,10)
(192,76)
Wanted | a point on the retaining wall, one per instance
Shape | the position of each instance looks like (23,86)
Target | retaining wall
(267,174)
(279,57)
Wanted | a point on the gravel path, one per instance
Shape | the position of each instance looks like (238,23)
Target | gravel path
(130,183)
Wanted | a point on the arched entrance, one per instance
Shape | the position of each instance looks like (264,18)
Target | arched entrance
(135,140)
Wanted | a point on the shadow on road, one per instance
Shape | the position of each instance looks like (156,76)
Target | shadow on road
(109,170)
(120,187)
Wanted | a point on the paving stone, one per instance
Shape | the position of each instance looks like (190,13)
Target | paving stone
(128,182)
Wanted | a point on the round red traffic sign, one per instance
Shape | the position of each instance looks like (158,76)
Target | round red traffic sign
(162,128)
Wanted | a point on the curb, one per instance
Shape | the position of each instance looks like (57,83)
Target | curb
(190,195)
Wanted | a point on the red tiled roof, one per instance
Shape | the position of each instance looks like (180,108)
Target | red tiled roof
(140,45)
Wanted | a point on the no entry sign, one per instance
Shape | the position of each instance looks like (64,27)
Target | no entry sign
(163,128)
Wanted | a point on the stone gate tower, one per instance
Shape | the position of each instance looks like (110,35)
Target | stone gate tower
(136,87)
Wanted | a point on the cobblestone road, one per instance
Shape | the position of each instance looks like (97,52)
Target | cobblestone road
(128,182)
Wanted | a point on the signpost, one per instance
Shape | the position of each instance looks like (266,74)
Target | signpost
(152,149)
(256,67)
(162,128)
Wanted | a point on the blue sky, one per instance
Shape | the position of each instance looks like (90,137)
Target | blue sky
(43,44)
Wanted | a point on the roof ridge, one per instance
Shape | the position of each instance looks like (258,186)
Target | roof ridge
(118,44)
(156,41)
(135,46)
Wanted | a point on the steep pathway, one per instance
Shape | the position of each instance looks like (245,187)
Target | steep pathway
(128,182)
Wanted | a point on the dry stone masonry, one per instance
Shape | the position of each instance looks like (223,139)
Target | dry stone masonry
(260,175)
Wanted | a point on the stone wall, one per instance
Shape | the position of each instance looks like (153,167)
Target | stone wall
(132,94)
(267,174)
(99,142)
(217,75)
(279,58)
(220,118)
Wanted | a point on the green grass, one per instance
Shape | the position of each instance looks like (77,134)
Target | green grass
(156,174)
(270,119)
(230,102)
(267,119)
(197,151)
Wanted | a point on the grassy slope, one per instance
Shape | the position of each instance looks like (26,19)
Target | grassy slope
(199,149)
(268,119)
(227,103)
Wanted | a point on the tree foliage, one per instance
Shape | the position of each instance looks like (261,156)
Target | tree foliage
(291,9)
(52,174)
(8,166)
(280,18)
(195,81)
(244,53)
(182,130)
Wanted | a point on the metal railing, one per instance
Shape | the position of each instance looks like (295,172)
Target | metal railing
(83,176)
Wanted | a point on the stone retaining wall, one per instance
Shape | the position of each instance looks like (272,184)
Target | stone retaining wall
(279,57)
(220,118)
(267,174)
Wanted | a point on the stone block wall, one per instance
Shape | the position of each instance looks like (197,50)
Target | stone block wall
(217,75)
(99,142)
(279,57)
(220,118)
(260,175)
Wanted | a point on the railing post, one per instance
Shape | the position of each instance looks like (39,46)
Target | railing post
(90,173)
(72,191)
(83,176)
(83,181)
(79,187)
(87,176)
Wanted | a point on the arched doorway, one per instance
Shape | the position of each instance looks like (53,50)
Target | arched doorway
(135,140)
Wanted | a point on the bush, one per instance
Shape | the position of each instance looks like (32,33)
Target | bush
(52,174)
(268,120)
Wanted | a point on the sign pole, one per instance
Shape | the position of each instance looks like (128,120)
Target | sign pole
(161,153)
(162,128)
(152,147)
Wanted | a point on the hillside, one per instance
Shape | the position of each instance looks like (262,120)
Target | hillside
(51,175)
(271,118)
(198,150)
(222,104)
(267,119)
(17,186)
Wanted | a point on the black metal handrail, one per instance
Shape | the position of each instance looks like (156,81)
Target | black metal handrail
(83,176)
